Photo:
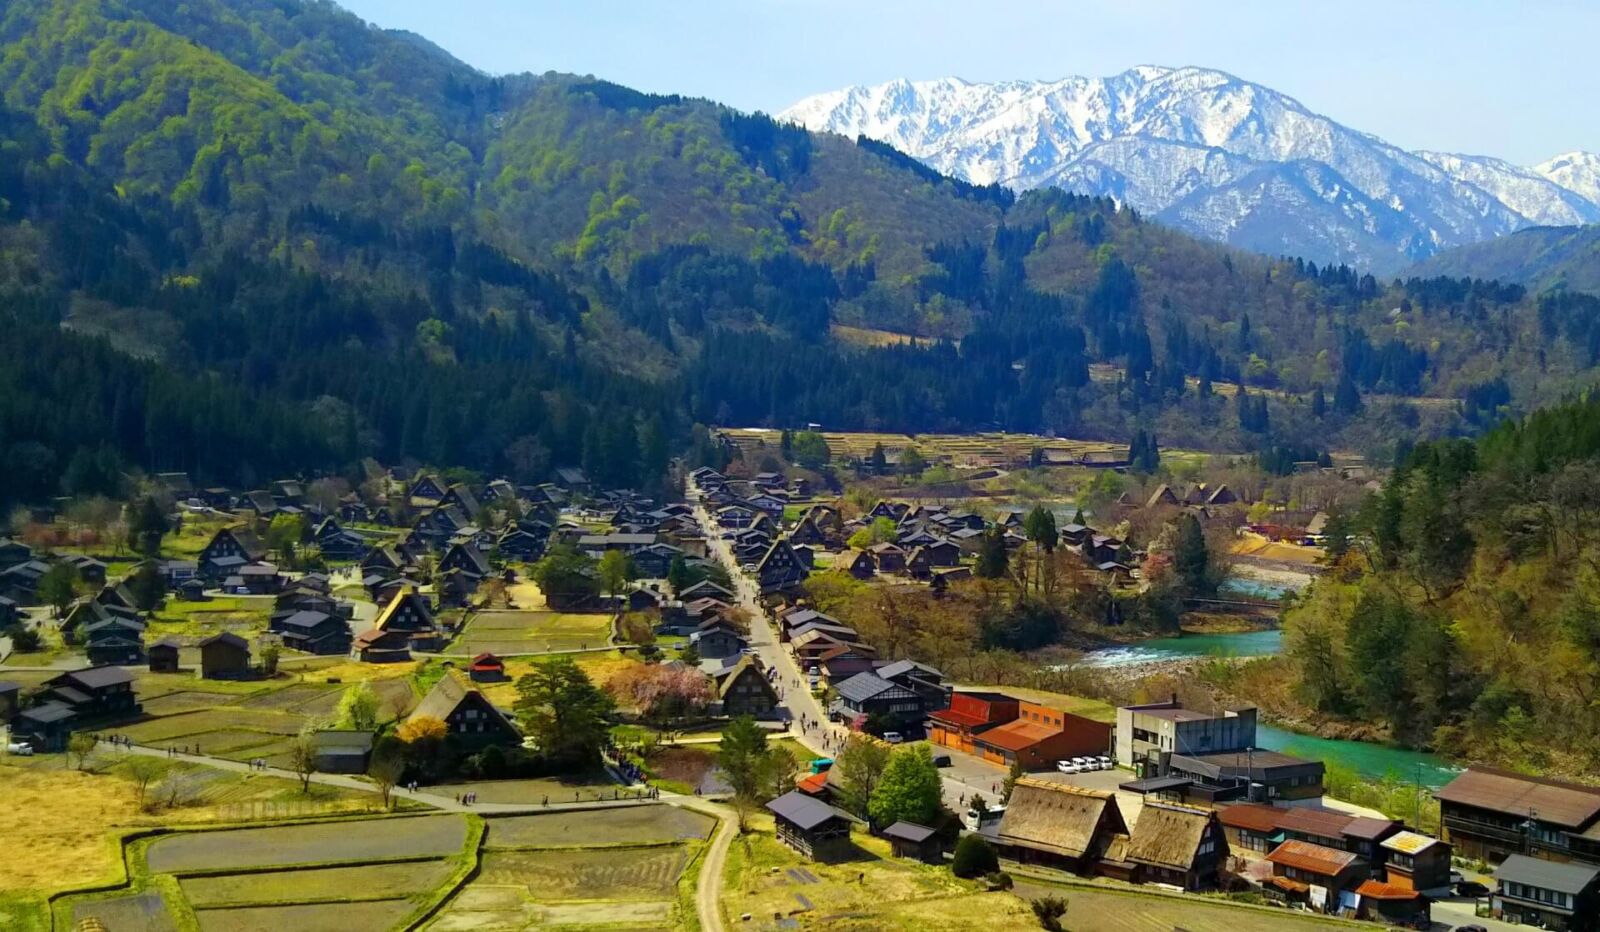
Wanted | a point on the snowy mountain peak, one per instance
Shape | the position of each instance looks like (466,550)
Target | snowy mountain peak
(1578,172)
(1215,154)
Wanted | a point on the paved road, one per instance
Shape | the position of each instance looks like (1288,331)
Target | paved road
(819,735)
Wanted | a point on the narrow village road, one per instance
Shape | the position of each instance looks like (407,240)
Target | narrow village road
(817,734)
(820,736)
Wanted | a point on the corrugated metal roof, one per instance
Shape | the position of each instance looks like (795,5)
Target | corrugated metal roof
(805,811)
(1314,858)
(1565,804)
(1546,875)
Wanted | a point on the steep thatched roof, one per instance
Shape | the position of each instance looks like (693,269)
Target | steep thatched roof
(1058,818)
(1167,835)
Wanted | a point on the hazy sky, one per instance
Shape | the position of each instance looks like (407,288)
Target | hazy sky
(1514,79)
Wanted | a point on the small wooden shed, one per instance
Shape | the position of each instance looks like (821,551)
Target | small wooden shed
(910,840)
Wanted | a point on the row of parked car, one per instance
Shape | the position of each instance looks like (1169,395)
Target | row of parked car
(1084,764)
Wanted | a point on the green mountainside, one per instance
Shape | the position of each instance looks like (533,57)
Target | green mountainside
(1543,258)
(260,236)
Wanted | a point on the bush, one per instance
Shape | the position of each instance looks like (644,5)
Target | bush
(1049,910)
(999,880)
(973,858)
(23,640)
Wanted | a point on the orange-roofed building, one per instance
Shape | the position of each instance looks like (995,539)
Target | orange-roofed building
(1391,903)
(1326,873)
(970,715)
(1039,736)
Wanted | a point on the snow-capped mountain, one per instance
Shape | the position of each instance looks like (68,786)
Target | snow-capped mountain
(1216,155)
(1575,171)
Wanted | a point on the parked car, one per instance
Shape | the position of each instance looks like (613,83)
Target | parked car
(1066,766)
(941,760)
(1471,888)
(1106,763)
(893,737)
(19,749)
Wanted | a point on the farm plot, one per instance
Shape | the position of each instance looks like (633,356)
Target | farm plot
(532,633)
(192,724)
(145,911)
(588,874)
(292,698)
(315,917)
(372,839)
(317,885)
(185,701)
(640,825)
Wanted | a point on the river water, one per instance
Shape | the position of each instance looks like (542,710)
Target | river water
(1371,760)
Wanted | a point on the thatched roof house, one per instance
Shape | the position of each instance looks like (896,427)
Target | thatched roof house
(1180,845)
(1059,824)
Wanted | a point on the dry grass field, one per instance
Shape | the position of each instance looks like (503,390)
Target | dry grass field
(65,819)
(528,632)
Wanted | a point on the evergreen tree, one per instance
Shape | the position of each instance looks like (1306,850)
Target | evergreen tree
(1040,527)
(1190,558)
(993,559)
(565,713)
(1346,397)
(679,576)
(1319,404)
(878,461)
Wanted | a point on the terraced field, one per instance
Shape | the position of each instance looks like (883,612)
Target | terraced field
(318,917)
(322,884)
(617,868)
(642,825)
(588,874)
(249,848)
(962,450)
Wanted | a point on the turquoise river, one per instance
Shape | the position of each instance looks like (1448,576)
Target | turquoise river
(1371,760)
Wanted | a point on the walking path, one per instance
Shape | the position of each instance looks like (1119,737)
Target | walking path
(430,796)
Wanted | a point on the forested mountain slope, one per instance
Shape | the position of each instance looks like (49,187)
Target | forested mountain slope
(1466,616)
(313,241)
(1543,258)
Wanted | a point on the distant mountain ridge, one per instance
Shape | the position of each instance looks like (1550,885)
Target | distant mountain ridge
(1542,258)
(1218,156)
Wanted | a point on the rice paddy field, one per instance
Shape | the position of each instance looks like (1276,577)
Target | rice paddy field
(962,450)
(363,874)
(508,633)
(608,868)
(249,719)
(277,846)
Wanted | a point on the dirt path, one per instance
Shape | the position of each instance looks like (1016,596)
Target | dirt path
(708,890)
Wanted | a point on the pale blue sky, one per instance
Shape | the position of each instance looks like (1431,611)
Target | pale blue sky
(1515,79)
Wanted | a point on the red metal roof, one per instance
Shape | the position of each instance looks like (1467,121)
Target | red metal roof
(1378,890)
(958,719)
(1014,736)
(813,784)
(1252,816)
(1313,858)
